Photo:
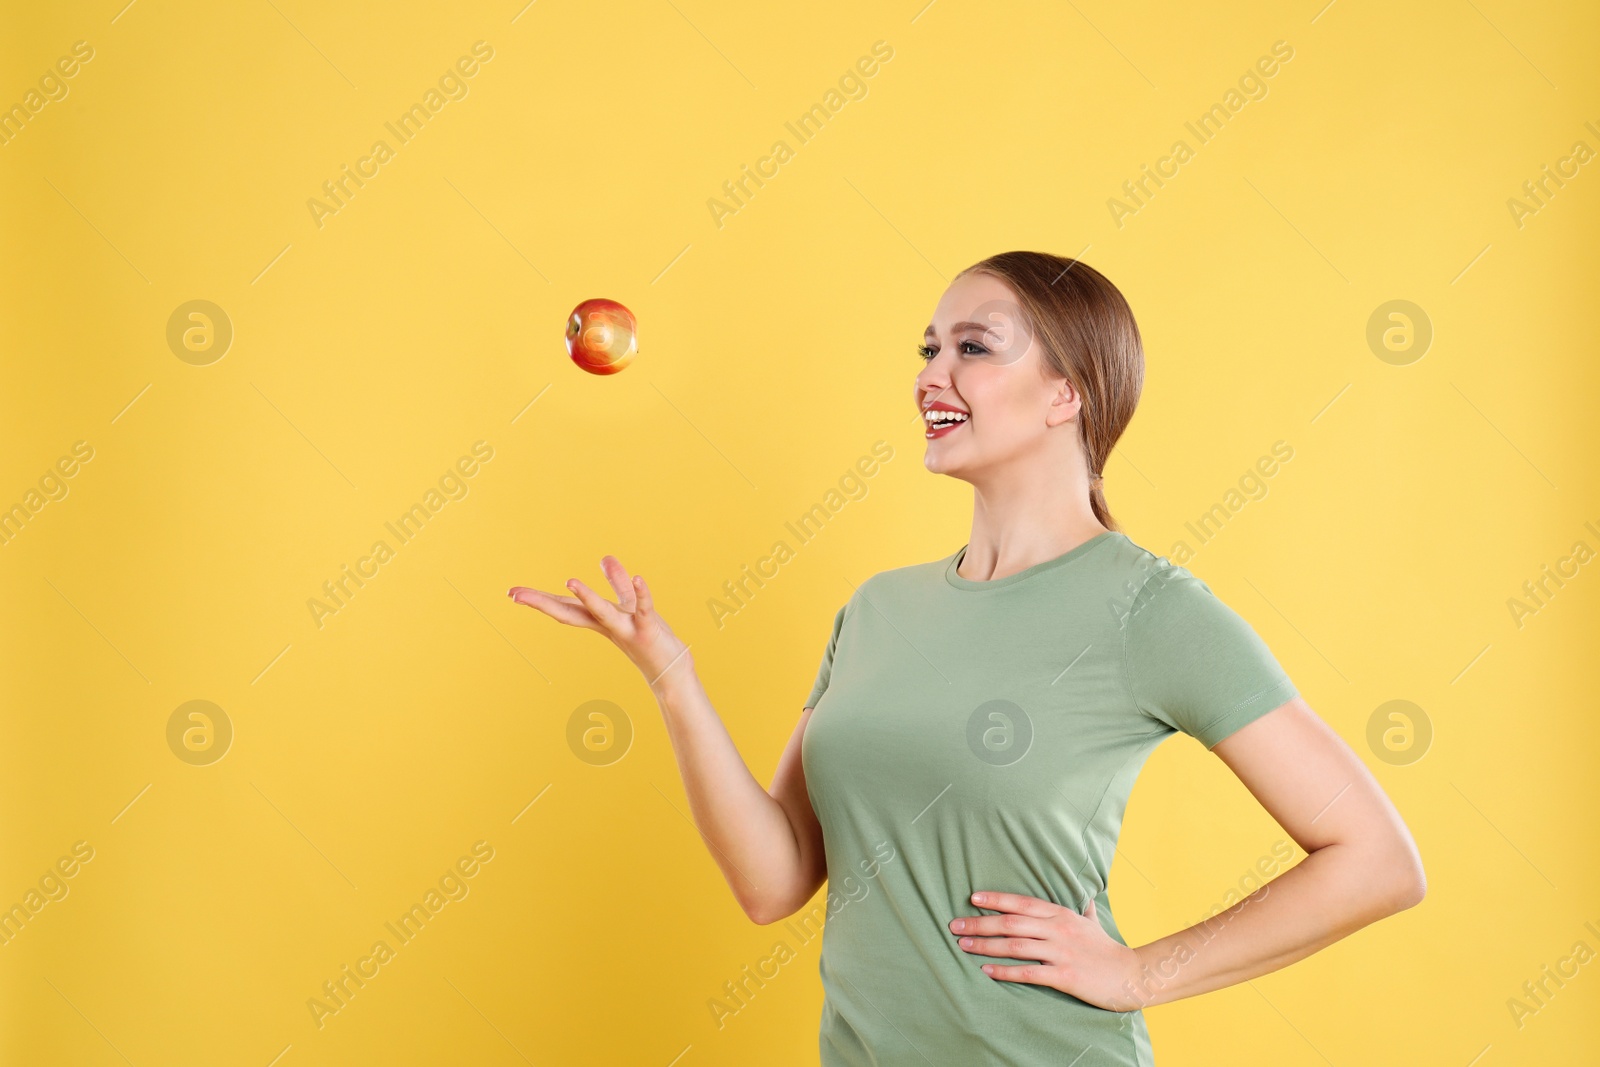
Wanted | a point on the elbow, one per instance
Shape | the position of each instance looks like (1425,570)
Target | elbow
(776,906)
(1406,882)
(764,914)
(1413,889)
(782,898)
(755,910)
(760,907)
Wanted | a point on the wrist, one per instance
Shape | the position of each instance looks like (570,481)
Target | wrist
(1155,970)
(676,676)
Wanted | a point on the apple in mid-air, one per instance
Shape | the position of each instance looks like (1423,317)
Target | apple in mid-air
(601,336)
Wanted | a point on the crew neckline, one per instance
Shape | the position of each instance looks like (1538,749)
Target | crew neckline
(1066,557)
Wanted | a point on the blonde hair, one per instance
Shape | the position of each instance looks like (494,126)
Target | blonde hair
(1088,336)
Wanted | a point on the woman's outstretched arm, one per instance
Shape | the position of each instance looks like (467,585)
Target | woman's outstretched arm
(767,844)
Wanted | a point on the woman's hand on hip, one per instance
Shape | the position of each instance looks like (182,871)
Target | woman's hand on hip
(631,624)
(1075,953)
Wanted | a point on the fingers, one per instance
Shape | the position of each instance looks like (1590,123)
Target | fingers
(1010,948)
(604,611)
(1015,902)
(617,575)
(588,608)
(561,608)
(1028,975)
(1001,925)
(645,603)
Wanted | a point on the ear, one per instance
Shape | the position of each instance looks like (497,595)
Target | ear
(1065,403)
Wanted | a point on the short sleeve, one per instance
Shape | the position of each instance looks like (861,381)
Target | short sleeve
(826,670)
(1194,663)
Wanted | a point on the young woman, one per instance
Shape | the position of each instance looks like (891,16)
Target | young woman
(961,768)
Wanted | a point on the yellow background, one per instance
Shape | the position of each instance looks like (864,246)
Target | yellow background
(372,351)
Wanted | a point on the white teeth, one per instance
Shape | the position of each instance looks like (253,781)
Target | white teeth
(935,418)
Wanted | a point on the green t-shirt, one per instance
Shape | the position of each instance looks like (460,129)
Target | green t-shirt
(985,735)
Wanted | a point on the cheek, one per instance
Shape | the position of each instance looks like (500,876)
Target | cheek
(1003,411)
(991,394)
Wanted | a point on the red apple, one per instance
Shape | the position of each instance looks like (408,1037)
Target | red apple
(601,336)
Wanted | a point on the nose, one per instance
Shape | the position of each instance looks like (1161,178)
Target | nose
(933,381)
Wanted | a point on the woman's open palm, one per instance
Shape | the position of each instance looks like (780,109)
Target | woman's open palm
(632,623)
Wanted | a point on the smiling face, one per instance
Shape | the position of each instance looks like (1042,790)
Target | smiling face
(983,361)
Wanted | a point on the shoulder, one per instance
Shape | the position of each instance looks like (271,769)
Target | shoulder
(895,582)
(909,577)
(1166,582)
(1127,558)
(897,586)
(913,573)
(1136,575)
(1170,606)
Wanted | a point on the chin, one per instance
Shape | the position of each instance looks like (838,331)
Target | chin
(940,465)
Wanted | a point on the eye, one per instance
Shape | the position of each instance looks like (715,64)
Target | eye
(968,348)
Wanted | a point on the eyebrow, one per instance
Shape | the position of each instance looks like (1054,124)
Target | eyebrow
(981,327)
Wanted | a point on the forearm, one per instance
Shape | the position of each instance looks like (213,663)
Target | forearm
(745,828)
(1335,891)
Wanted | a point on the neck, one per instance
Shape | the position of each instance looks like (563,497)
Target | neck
(1024,517)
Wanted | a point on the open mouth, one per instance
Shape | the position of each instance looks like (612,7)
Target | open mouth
(941,422)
